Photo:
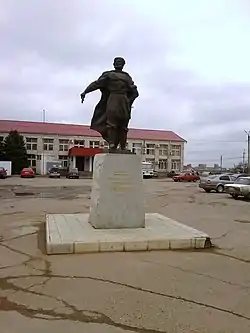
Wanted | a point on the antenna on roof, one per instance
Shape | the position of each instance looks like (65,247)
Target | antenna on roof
(43,116)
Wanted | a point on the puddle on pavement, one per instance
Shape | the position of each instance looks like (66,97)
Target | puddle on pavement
(22,194)
(58,192)
(242,221)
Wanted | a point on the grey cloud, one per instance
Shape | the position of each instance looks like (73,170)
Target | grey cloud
(44,45)
(77,34)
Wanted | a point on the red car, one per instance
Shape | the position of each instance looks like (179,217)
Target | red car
(3,173)
(188,177)
(27,173)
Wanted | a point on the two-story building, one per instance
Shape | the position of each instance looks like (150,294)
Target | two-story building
(76,145)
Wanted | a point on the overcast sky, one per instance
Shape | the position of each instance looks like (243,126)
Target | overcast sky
(189,58)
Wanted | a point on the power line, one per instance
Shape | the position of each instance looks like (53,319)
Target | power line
(202,152)
(213,151)
(216,141)
(217,159)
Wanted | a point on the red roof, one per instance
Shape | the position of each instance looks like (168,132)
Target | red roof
(31,127)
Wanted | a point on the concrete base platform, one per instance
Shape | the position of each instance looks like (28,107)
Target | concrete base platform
(71,233)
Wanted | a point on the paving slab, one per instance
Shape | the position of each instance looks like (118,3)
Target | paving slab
(72,233)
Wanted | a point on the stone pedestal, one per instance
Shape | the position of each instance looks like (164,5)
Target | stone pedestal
(117,198)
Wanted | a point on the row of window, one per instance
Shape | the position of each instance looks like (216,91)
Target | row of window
(162,165)
(149,149)
(34,158)
(48,144)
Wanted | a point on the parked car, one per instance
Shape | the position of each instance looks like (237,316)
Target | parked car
(216,182)
(73,173)
(238,175)
(155,174)
(27,173)
(240,188)
(7,165)
(3,173)
(172,173)
(54,173)
(188,177)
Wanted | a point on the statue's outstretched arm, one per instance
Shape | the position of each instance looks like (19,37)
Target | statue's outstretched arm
(98,84)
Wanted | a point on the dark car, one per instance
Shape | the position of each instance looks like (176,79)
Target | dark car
(3,173)
(155,174)
(54,173)
(73,173)
(172,173)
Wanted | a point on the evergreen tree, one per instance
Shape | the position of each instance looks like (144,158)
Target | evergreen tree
(2,155)
(15,151)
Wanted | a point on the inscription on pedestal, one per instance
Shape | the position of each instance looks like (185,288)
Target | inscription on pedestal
(120,182)
(117,198)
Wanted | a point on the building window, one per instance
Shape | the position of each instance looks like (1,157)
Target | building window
(38,157)
(63,144)
(137,148)
(31,143)
(64,160)
(48,144)
(31,146)
(163,164)
(150,149)
(176,165)
(94,144)
(104,144)
(163,150)
(176,150)
(79,143)
(31,140)
(32,160)
(1,138)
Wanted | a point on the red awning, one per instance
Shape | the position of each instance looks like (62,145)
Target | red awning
(82,151)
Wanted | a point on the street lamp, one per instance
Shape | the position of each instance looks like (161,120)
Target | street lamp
(248,150)
(43,146)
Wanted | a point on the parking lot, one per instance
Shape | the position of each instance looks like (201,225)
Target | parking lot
(161,291)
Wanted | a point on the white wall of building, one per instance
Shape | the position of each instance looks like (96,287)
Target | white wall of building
(42,164)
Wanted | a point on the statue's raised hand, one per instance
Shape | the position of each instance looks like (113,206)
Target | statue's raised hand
(82,97)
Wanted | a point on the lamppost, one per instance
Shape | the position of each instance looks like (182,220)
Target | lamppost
(43,164)
(248,150)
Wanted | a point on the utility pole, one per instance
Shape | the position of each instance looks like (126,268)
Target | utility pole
(243,160)
(43,161)
(221,162)
(248,150)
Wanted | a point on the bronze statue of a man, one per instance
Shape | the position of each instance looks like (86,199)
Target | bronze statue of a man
(113,112)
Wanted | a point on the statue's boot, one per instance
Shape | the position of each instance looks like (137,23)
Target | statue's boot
(113,139)
(123,139)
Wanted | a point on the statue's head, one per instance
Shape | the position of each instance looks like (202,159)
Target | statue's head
(119,63)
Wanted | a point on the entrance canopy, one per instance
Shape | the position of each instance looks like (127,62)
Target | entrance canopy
(82,151)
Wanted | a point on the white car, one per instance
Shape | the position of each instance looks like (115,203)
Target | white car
(241,188)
